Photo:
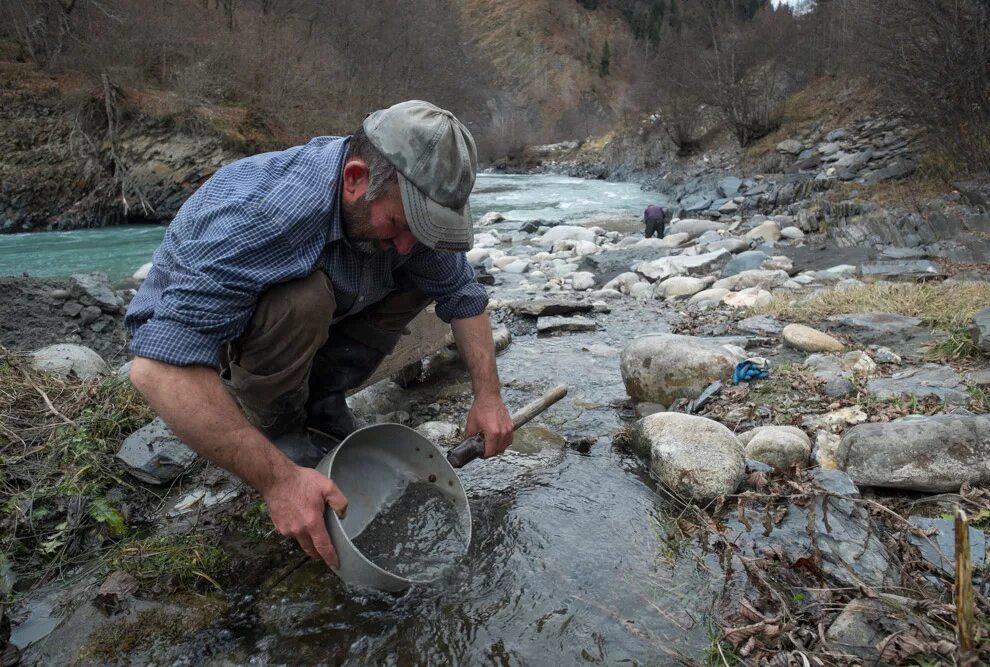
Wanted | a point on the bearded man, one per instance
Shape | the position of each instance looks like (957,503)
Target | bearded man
(287,278)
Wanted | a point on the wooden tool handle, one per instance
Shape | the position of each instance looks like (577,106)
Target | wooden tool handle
(474,447)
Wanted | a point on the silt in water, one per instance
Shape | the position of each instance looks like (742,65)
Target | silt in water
(417,536)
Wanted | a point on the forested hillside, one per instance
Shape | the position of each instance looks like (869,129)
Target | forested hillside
(259,74)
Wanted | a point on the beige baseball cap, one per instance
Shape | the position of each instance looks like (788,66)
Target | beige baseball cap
(437,161)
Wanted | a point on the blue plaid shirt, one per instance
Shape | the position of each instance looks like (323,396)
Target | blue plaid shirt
(264,220)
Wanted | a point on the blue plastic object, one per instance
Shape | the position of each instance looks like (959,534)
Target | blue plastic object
(751,369)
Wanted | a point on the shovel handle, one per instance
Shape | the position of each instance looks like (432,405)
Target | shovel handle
(474,447)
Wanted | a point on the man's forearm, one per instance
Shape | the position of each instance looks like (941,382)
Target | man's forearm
(194,403)
(476,346)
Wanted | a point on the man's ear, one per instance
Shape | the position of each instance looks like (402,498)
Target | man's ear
(355,180)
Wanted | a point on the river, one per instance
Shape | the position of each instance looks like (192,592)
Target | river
(119,251)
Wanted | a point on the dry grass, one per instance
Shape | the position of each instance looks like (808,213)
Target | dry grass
(948,308)
(58,438)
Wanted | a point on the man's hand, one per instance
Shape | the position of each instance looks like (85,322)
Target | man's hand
(193,401)
(488,415)
(296,504)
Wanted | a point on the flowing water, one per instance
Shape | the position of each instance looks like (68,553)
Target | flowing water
(119,251)
(417,536)
(572,558)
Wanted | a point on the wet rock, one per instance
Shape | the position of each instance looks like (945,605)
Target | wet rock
(865,624)
(440,433)
(694,227)
(67,359)
(934,454)
(744,261)
(142,272)
(533,439)
(663,367)
(696,458)
(154,454)
(760,325)
(558,324)
(751,297)
(903,271)
(920,382)
(807,339)
(545,307)
(678,287)
(753,278)
(95,287)
(680,265)
(980,330)
(767,231)
(777,446)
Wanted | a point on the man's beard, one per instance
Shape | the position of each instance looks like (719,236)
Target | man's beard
(359,230)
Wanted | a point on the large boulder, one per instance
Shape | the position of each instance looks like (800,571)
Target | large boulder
(934,454)
(66,359)
(696,458)
(660,368)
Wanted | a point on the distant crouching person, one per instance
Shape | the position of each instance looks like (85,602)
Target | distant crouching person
(655,218)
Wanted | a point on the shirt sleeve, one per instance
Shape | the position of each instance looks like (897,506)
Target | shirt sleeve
(447,278)
(215,280)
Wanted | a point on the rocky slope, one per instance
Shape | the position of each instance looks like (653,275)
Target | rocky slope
(68,159)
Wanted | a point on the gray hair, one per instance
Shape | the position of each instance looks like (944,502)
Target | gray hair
(381,172)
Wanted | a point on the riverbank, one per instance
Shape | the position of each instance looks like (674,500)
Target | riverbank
(787,530)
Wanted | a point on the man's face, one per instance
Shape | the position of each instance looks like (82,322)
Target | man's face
(379,225)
